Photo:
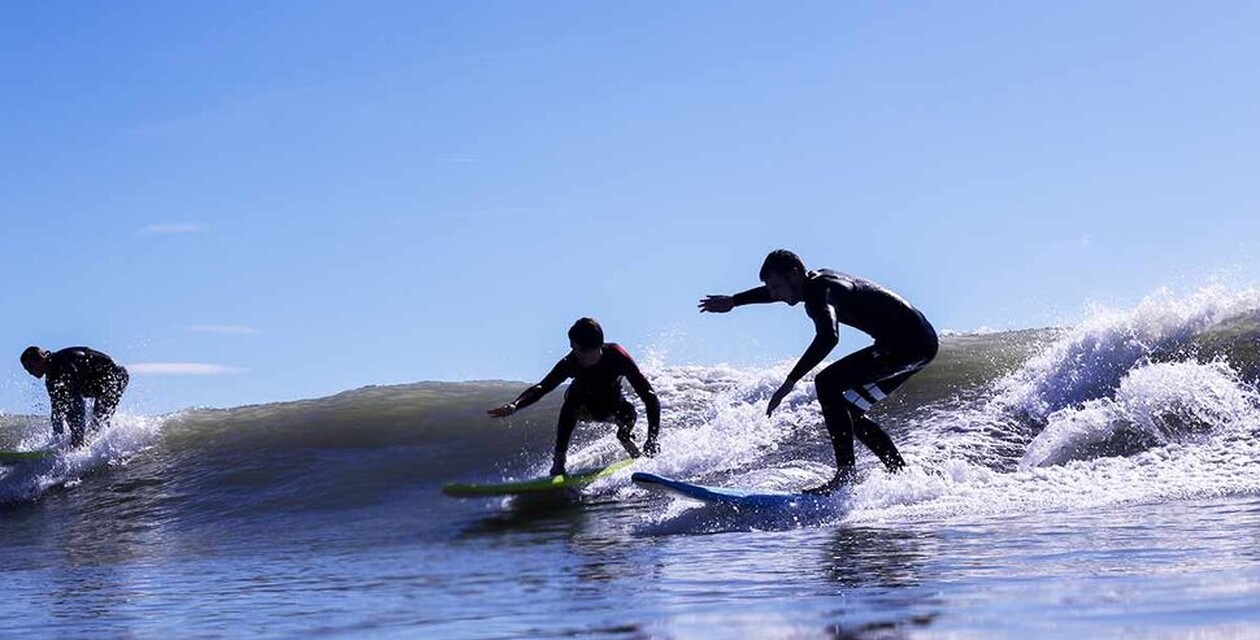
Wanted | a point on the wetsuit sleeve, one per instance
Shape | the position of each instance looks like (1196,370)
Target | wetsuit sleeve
(826,337)
(558,374)
(643,389)
(756,295)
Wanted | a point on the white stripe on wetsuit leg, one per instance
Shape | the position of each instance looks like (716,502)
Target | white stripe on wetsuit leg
(875,392)
(857,400)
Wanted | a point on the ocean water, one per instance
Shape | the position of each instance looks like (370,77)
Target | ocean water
(1098,481)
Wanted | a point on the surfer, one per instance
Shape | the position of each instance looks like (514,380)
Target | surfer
(596,368)
(904,343)
(72,376)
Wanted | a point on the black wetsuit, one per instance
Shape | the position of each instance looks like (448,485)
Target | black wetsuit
(595,394)
(75,374)
(904,343)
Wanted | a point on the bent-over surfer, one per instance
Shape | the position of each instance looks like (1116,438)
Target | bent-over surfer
(904,343)
(73,375)
(596,368)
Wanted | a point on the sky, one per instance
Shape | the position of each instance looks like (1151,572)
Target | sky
(253,201)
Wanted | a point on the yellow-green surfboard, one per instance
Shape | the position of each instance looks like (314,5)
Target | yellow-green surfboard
(14,457)
(575,480)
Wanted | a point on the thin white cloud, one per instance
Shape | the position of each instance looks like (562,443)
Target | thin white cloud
(174,228)
(223,329)
(181,369)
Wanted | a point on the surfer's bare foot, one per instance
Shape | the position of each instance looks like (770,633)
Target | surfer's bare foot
(823,489)
(831,486)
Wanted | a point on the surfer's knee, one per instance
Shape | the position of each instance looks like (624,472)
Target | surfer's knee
(824,381)
(570,409)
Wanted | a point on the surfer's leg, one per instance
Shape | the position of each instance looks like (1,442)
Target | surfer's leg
(867,431)
(102,411)
(564,431)
(833,388)
(840,429)
(107,402)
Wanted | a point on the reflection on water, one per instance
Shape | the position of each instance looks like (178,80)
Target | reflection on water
(897,630)
(881,568)
(721,518)
(550,512)
(874,557)
(123,559)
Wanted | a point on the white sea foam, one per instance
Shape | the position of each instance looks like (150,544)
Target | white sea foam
(126,436)
(1111,412)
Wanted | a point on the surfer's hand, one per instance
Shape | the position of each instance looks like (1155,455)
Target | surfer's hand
(650,447)
(504,411)
(778,397)
(717,304)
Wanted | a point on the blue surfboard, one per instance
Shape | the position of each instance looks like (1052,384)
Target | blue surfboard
(740,498)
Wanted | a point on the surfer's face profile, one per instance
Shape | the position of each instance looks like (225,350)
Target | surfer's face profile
(783,288)
(585,357)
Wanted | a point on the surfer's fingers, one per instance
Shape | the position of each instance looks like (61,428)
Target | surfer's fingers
(714,304)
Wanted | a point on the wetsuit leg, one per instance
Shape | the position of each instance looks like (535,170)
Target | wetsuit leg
(840,429)
(107,401)
(564,430)
(871,435)
(844,401)
(851,386)
(869,432)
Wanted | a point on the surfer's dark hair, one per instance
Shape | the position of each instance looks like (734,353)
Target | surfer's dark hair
(783,262)
(586,333)
(31,354)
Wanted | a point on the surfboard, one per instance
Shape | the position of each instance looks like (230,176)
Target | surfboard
(741,498)
(14,457)
(574,480)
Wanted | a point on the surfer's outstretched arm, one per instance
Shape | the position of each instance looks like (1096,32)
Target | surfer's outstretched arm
(558,374)
(724,303)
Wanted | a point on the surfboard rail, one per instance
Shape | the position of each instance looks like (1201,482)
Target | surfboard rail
(575,480)
(745,498)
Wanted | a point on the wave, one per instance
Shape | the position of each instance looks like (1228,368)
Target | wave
(1156,402)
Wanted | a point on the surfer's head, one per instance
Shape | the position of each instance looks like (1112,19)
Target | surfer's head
(35,361)
(586,337)
(784,275)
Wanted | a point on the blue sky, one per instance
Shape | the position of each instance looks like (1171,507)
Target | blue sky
(261,201)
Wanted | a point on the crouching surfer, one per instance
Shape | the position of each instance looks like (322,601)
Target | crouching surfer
(72,376)
(905,342)
(597,368)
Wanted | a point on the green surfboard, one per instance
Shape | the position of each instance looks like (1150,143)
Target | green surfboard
(14,457)
(575,480)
